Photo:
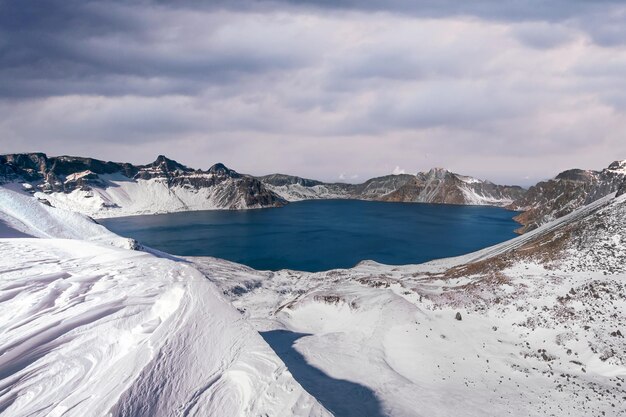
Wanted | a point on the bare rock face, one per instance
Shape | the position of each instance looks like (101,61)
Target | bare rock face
(549,200)
(280,180)
(622,189)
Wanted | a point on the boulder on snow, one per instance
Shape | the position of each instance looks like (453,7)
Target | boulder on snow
(458,316)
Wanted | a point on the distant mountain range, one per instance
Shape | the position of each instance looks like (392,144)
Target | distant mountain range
(437,186)
(109,189)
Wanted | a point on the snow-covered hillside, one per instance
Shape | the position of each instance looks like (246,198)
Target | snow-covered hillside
(89,329)
(120,197)
(108,189)
(532,327)
(103,189)
(22,215)
(549,200)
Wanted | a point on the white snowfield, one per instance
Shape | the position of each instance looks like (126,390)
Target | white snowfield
(89,329)
(23,215)
(477,199)
(122,196)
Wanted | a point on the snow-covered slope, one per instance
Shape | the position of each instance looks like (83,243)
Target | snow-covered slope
(89,329)
(435,186)
(542,320)
(549,200)
(109,189)
(23,215)
(444,187)
(120,197)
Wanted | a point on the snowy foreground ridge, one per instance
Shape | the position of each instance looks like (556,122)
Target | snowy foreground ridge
(88,329)
(531,327)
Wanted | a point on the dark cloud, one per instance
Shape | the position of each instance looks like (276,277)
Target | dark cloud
(72,47)
(543,35)
(499,10)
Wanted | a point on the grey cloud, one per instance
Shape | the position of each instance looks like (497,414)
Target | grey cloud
(502,10)
(543,35)
(70,47)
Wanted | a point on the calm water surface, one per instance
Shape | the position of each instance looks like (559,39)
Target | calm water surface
(323,234)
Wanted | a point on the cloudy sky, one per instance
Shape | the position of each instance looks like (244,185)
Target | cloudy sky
(509,90)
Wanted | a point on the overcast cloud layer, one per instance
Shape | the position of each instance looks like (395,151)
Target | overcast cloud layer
(510,91)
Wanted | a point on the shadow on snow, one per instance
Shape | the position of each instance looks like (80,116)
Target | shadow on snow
(340,397)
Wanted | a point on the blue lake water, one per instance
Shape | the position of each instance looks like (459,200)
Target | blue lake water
(323,234)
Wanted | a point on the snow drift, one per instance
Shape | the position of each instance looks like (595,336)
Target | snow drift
(89,329)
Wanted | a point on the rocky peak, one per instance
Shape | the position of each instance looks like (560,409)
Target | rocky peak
(437,173)
(575,175)
(162,167)
(164,164)
(221,170)
(618,166)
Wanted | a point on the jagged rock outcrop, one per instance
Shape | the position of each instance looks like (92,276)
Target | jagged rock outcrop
(436,186)
(104,189)
(571,189)
(622,189)
(58,174)
(280,180)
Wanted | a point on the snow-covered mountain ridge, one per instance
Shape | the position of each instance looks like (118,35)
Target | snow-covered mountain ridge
(435,186)
(549,200)
(109,189)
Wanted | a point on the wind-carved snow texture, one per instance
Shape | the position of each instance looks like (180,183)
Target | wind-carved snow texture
(541,329)
(22,215)
(88,329)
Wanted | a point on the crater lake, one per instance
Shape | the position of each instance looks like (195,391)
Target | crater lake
(318,235)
